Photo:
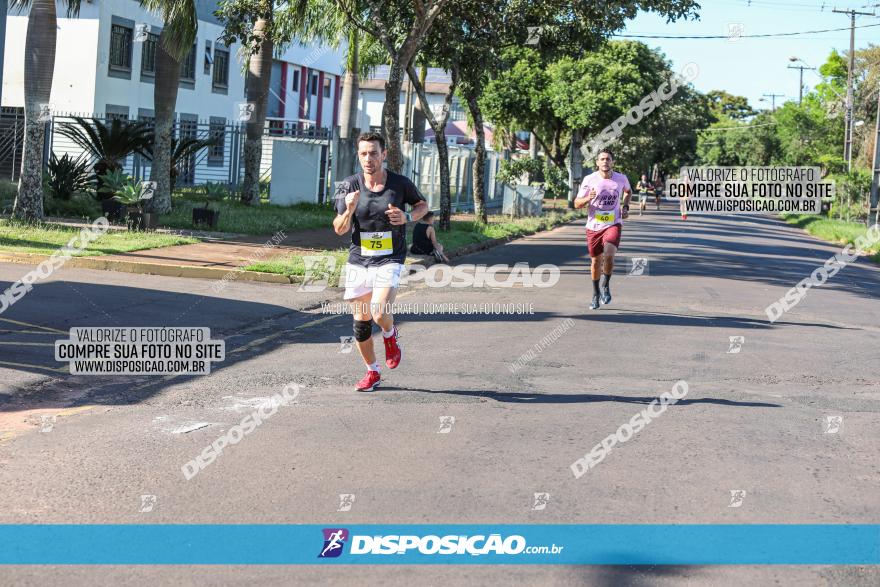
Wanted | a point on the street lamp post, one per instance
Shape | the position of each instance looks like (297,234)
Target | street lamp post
(772,99)
(801,68)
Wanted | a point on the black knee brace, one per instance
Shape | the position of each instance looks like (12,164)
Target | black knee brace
(363,330)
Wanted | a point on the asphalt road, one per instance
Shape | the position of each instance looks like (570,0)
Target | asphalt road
(80,449)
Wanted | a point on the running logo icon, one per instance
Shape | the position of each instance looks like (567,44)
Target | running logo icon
(534,35)
(446,423)
(736,344)
(735,31)
(346,500)
(318,269)
(833,424)
(334,541)
(736,498)
(541,501)
(346,344)
(638,266)
(147,503)
(47,423)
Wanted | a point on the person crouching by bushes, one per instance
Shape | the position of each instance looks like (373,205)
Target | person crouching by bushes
(425,239)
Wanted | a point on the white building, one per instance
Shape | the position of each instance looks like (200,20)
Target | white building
(105,64)
(371,98)
(105,67)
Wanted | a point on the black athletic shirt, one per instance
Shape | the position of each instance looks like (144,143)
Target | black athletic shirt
(370,217)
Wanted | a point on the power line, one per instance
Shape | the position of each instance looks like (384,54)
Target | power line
(764,36)
(743,127)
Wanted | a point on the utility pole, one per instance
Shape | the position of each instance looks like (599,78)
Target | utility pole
(801,87)
(773,99)
(848,136)
(875,182)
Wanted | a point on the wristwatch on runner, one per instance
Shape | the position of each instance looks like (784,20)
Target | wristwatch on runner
(408,216)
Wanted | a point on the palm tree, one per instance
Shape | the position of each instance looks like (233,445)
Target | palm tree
(363,54)
(108,144)
(264,25)
(39,65)
(182,150)
(175,42)
(259,75)
(350,85)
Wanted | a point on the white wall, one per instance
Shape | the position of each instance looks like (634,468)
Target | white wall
(73,86)
(371,102)
(81,81)
(137,94)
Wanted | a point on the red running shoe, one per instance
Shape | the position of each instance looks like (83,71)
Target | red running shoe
(369,382)
(393,352)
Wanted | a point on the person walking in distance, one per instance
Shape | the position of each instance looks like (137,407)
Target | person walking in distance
(607,193)
(644,187)
(371,206)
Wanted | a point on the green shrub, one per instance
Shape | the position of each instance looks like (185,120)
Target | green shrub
(67,176)
(78,206)
(112,182)
(554,179)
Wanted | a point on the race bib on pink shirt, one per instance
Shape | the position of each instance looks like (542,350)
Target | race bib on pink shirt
(604,211)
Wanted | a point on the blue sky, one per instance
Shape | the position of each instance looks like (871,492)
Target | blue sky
(753,67)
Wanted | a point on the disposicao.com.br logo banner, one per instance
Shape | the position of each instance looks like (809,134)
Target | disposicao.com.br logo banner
(278,544)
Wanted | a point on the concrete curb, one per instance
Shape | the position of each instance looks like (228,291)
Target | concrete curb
(150,268)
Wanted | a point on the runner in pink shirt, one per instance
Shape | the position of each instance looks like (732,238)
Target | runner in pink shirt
(602,192)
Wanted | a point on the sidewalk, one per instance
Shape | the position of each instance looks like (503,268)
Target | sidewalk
(220,253)
(214,258)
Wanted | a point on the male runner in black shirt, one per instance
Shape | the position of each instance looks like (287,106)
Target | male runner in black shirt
(371,206)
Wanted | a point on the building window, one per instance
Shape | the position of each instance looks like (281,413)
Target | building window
(120,47)
(148,54)
(209,58)
(146,115)
(188,66)
(115,112)
(216,152)
(314,91)
(295,83)
(221,68)
(326,87)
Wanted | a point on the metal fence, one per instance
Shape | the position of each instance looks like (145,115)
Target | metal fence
(11,142)
(222,163)
(422,165)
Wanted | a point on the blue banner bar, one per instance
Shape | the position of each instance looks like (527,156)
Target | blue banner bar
(733,544)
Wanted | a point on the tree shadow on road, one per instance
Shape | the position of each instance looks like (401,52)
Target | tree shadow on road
(522,397)
(669,319)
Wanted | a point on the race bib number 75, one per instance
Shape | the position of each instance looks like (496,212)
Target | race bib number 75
(376,244)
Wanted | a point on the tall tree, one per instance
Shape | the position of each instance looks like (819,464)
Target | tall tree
(561,28)
(728,105)
(259,76)
(401,26)
(362,55)
(251,22)
(463,42)
(180,26)
(350,86)
(438,122)
(325,23)
(39,67)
